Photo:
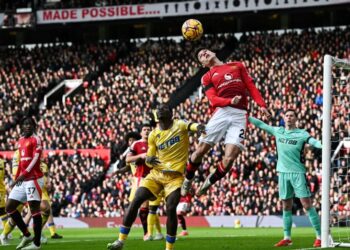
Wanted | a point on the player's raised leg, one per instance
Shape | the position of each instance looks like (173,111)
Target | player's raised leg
(142,194)
(231,153)
(192,166)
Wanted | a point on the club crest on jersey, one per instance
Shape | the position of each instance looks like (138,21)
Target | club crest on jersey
(27,143)
(228,77)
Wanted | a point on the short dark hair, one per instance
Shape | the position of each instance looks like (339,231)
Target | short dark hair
(146,124)
(195,53)
(291,110)
(132,134)
(30,119)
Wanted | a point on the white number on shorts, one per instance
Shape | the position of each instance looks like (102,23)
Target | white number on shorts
(30,190)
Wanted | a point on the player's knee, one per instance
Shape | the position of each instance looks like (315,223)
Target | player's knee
(45,209)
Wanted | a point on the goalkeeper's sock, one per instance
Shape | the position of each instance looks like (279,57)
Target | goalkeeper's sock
(52,228)
(4,218)
(8,228)
(287,224)
(219,173)
(315,221)
(157,223)
(170,240)
(143,217)
(191,169)
(123,233)
(151,219)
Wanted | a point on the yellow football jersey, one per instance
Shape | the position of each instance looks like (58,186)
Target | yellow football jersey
(15,163)
(133,167)
(171,146)
(45,169)
(2,175)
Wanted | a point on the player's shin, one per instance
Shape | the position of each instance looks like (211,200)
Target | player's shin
(157,224)
(219,173)
(8,228)
(4,218)
(191,169)
(315,221)
(17,218)
(150,222)
(287,224)
(37,221)
(143,214)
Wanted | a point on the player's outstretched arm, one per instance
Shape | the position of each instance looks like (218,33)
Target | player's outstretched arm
(315,143)
(262,125)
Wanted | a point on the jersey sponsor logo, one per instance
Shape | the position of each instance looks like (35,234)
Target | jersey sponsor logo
(229,82)
(25,158)
(169,142)
(228,76)
(288,141)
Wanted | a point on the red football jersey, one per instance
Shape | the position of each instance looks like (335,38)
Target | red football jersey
(186,199)
(30,153)
(223,82)
(140,147)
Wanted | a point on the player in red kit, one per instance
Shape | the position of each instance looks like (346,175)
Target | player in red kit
(226,85)
(27,185)
(182,209)
(137,155)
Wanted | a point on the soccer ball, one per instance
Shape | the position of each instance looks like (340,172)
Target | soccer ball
(192,29)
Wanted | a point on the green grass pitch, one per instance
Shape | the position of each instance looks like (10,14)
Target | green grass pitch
(199,239)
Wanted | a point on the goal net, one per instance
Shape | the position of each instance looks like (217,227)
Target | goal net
(336,153)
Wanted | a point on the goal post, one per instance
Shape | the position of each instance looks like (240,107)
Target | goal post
(330,213)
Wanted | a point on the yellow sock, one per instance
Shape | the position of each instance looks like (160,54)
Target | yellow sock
(52,228)
(124,232)
(157,223)
(169,246)
(8,228)
(170,240)
(4,218)
(44,217)
(151,218)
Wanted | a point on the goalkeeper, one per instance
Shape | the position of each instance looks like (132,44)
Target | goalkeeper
(291,172)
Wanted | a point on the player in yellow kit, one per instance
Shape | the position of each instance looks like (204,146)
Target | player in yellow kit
(167,154)
(3,214)
(10,225)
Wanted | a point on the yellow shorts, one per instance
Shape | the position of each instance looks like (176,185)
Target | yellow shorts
(45,195)
(159,199)
(2,198)
(136,183)
(156,181)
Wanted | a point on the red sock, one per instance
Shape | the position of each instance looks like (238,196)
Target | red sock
(191,169)
(218,174)
(182,221)
(143,217)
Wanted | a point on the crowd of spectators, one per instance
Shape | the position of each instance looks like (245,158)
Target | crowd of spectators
(287,68)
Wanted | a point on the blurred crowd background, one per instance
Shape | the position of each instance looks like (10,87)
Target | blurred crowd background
(124,81)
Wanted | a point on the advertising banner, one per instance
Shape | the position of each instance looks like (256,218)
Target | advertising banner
(171,9)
